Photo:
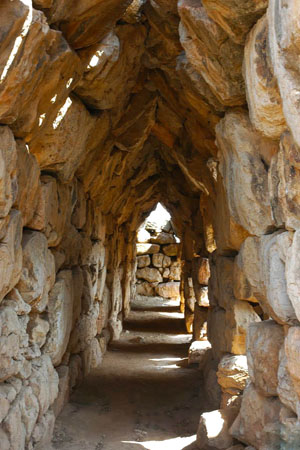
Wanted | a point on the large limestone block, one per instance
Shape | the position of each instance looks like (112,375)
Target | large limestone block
(262,261)
(143,249)
(11,254)
(85,330)
(163,238)
(21,419)
(171,249)
(8,162)
(43,431)
(27,169)
(292,273)
(286,389)
(175,270)
(284,179)
(149,274)
(198,352)
(143,261)
(10,343)
(238,317)
(220,288)
(203,270)
(37,330)
(208,49)
(145,288)
(86,23)
(265,107)
(292,351)
(258,421)
(44,383)
(37,68)
(38,271)
(60,310)
(283,32)
(53,209)
(233,373)
(112,67)
(170,289)
(229,235)
(157,260)
(245,176)
(213,429)
(236,18)
(62,145)
(264,341)
(134,127)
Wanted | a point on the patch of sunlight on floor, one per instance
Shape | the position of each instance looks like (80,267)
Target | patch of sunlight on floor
(178,443)
(165,359)
(173,315)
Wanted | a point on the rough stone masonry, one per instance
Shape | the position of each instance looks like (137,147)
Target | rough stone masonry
(106,108)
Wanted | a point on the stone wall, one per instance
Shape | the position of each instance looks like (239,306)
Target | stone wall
(158,262)
(107,108)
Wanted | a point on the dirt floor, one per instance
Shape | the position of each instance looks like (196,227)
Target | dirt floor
(144,396)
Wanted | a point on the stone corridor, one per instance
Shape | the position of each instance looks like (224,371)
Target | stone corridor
(108,107)
(144,395)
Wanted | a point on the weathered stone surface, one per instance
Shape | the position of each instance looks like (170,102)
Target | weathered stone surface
(209,51)
(263,263)
(86,23)
(60,309)
(38,272)
(258,421)
(283,31)
(27,169)
(292,348)
(37,330)
(168,290)
(235,18)
(38,68)
(220,289)
(44,383)
(8,175)
(242,155)
(53,209)
(175,271)
(149,274)
(238,318)
(233,373)
(11,254)
(143,261)
(157,260)
(171,249)
(102,87)
(21,418)
(61,146)
(145,288)
(265,107)
(213,429)
(147,248)
(163,238)
(264,341)
(10,342)
(285,388)
(284,178)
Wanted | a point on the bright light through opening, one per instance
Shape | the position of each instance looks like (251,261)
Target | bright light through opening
(159,216)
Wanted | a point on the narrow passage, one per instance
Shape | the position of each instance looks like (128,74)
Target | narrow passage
(144,395)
